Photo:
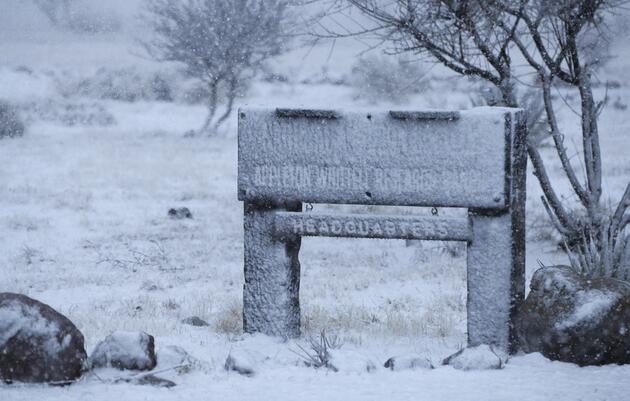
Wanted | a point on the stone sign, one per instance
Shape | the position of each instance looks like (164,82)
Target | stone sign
(474,159)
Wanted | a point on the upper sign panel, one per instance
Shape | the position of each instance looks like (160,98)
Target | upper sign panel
(419,158)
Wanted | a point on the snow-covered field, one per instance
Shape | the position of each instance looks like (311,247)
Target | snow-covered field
(84,228)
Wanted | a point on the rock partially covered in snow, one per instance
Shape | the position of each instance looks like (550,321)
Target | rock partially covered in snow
(37,343)
(477,358)
(240,363)
(195,321)
(125,350)
(152,380)
(180,213)
(172,355)
(576,319)
(408,362)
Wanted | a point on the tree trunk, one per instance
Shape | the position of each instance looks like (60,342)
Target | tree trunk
(212,107)
(230,104)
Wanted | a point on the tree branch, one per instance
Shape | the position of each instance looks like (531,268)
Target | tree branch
(559,142)
(619,221)
(228,108)
(541,173)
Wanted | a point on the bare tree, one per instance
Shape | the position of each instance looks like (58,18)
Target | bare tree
(561,42)
(78,16)
(57,11)
(224,43)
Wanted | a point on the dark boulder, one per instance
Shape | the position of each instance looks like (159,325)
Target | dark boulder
(180,213)
(37,343)
(125,350)
(195,321)
(240,364)
(571,318)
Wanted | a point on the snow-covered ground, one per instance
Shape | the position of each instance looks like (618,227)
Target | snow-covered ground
(84,228)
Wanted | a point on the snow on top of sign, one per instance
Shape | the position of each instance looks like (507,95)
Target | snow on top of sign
(344,111)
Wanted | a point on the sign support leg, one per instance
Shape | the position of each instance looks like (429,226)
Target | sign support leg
(496,254)
(271,301)
(494,281)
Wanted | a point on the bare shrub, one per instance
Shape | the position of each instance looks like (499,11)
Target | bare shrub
(78,16)
(11,125)
(68,112)
(608,257)
(317,354)
(230,320)
(223,43)
(126,84)
(152,254)
(384,78)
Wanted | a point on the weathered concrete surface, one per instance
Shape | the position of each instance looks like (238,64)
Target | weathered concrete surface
(271,300)
(372,226)
(374,157)
(496,254)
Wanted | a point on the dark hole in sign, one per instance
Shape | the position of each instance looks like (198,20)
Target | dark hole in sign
(368,194)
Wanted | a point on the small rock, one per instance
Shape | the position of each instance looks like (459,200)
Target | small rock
(180,213)
(195,321)
(125,350)
(172,355)
(408,362)
(149,286)
(37,343)
(239,365)
(571,318)
(175,356)
(480,357)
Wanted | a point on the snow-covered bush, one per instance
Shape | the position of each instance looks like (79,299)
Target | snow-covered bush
(386,78)
(223,43)
(11,125)
(126,84)
(69,113)
(80,16)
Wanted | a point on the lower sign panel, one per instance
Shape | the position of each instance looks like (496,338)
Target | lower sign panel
(371,226)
